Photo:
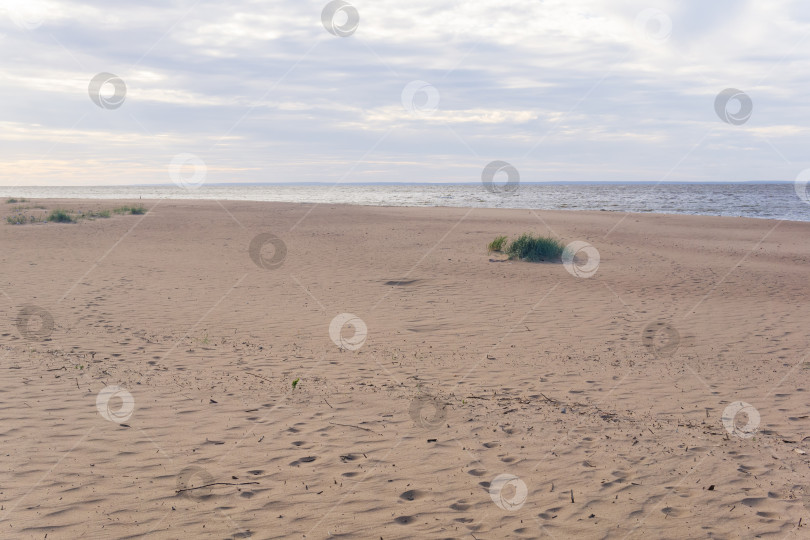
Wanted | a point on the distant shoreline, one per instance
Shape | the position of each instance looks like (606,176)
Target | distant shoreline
(321,184)
(77,202)
(755,200)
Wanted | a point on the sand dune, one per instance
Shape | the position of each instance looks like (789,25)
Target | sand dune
(481,398)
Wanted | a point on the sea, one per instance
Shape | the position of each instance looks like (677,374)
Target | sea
(755,200)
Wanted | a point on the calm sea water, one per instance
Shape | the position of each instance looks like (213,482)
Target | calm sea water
(770,201)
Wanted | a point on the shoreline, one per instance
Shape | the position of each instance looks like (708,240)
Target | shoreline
(84,201)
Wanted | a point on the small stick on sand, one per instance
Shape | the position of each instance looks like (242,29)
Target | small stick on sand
(216,484)
(352,425)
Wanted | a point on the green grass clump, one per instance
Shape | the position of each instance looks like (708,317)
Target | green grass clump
(535,248)
(61,216)
(22,219)
(497,244)
(13,200)
(137,210)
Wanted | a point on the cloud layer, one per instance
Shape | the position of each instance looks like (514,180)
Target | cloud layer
(422,91)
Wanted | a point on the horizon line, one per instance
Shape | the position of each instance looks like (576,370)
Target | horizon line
(557,182)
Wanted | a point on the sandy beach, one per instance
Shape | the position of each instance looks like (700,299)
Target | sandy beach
(268,370)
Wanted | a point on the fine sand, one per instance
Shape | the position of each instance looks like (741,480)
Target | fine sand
(602,398)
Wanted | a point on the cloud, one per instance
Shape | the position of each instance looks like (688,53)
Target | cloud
(599,89)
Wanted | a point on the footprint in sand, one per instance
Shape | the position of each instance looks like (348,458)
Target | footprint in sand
(674,512)
(306,459)
(460,506)
(412,495)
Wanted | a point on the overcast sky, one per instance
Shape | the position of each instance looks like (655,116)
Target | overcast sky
(419,91)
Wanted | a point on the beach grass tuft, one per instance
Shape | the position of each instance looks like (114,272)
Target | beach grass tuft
(14,200)
(21,219)
(61,216)
(535,248)
(497,244)
(137,210)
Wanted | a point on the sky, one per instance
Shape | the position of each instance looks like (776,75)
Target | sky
(155,92)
